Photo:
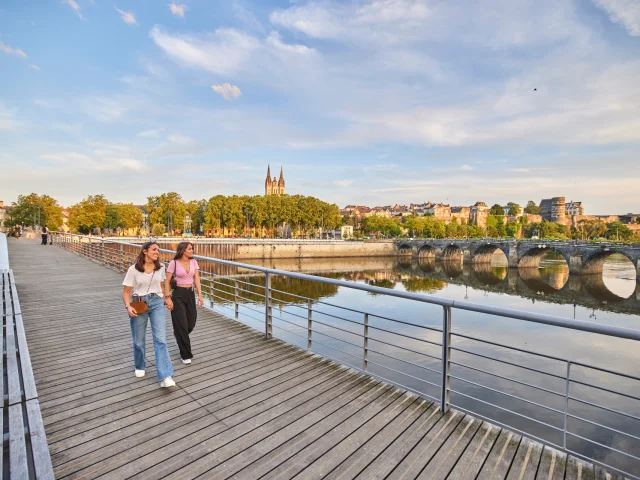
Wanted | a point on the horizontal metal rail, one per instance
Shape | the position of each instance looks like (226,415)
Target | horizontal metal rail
(246,299)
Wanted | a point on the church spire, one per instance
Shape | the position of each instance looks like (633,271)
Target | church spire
(281,180)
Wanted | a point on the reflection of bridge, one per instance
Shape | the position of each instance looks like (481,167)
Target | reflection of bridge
(581,257)
(586,290)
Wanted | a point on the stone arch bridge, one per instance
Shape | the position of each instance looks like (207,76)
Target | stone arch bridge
(581,257)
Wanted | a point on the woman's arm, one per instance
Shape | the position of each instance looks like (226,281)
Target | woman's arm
(166,291)
(196,279)
(126,296)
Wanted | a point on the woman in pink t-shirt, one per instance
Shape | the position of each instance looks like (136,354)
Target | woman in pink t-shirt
(183,301)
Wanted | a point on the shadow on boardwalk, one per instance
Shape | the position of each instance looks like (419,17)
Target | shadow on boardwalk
(245,408)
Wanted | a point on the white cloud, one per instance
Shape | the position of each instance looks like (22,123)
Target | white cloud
(12,51)
(625,12)
(465,168)
(104,109)
(224,51)
(76,8)
(343,183)
(178,9)
(35,67)
(148,133)
(227,91)
(181,140)
(127,17)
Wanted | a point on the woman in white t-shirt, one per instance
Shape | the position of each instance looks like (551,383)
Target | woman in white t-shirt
(145,280)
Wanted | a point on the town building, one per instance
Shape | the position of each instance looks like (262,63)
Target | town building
(346,231)
(574,208)
(461,214)
(441,211)
(3,216)
(554,209)
(479,213)
(274,186)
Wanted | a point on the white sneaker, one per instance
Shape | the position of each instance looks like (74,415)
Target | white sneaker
(187,361)
(167,382)
(139,373)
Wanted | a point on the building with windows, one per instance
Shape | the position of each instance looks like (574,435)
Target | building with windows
(274,186)
(574,208)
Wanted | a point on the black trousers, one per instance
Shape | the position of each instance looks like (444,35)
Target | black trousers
(44,239)
(183,317)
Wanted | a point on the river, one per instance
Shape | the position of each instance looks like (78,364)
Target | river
(612,298)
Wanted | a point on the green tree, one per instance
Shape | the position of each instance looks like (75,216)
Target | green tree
(33,208)
(591,229)
(532,208)
(514,209)
(157,230)
(130,215)
(167,209)
(496,210)
(90,213)
(618,231)
(112,218)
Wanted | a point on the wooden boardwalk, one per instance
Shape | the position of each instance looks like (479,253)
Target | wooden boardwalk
(246,407)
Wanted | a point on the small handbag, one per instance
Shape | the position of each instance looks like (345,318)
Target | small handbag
(138,304)
(173,284)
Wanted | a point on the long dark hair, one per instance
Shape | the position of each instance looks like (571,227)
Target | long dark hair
(140,260)
(182,246)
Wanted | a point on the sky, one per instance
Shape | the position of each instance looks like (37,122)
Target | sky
(372,102)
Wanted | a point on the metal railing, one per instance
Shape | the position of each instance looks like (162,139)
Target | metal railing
(583,409)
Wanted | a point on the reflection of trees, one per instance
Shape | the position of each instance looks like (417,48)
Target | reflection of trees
(421,285)
(382,283)
(253,289)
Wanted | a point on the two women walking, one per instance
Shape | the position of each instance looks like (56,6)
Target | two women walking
(147,284)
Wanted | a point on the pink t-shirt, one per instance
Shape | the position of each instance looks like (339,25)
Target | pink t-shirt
(182,277)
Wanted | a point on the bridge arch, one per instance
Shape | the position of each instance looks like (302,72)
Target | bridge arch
(405,249)
(484,253)
(452,254)
(427,264)
(531,258)
(599,281)
(426,251)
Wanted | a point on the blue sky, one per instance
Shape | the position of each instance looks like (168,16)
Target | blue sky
(370,101)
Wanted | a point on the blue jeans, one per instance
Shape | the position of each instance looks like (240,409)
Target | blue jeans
(159,332)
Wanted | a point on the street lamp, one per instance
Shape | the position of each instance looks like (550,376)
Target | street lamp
(187,226)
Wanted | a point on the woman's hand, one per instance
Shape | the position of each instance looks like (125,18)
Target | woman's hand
(132,311)
(200,301)
(168,303)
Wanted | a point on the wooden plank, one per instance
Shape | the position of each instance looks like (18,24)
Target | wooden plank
(525,464)
(552,465)
(13,368)
(369,451)
(440,466)
(39,446)
(476,453)
(18,467)
(28,380)
(397,451)
(578,469)
(499,460)
(429,445)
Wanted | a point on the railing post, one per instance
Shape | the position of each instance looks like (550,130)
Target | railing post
(121,268)
(566,405)
(102,248)
(235,299)
(309,325)
(268,318)
(366,342)
(446,363)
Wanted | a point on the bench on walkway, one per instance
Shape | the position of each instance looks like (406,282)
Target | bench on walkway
(25,449)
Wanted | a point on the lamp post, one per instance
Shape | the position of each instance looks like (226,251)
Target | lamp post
(187,226)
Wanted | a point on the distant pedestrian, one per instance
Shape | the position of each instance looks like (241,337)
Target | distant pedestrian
(145,279)
(17,232)
(183,301)
(45,234)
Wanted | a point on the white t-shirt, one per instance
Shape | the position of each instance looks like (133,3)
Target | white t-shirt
(144,283)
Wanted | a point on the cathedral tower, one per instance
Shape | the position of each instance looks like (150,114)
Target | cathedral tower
(274,186)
